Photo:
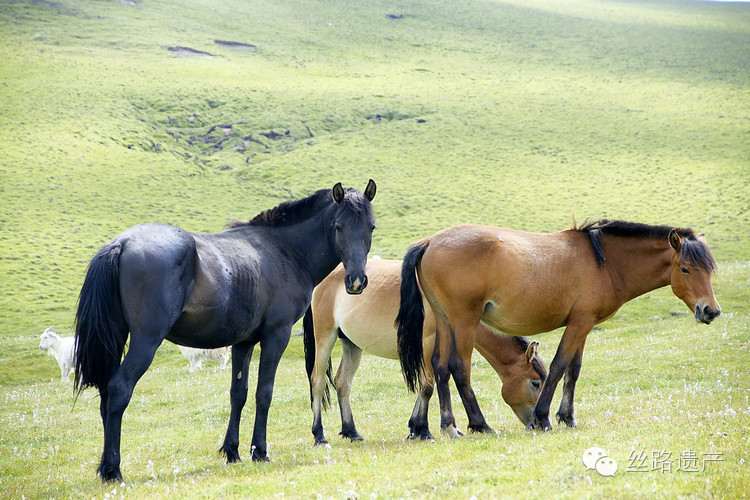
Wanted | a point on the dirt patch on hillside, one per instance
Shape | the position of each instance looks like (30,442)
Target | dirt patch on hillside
(235,45)
(188,52)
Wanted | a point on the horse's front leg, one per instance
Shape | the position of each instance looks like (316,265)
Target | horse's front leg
(272,346)
(241,354)
(573,338)
(566,413)
(352,355)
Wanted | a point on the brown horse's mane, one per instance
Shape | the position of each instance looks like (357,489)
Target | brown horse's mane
(693,251)
(295,211)
(523,344)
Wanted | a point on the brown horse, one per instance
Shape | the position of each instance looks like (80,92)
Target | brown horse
(527,283)
(365,323)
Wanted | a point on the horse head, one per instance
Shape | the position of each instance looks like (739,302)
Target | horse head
(353,223)
(692,266)
(521,387)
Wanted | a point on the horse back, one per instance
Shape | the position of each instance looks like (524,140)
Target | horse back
(519,283)
(366,319)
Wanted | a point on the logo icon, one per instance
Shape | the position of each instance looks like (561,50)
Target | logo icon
(597,459)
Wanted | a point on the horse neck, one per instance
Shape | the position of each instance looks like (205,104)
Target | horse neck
(638,265)
(501,351)
(311,244)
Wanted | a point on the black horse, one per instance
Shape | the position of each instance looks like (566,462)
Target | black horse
(243,286)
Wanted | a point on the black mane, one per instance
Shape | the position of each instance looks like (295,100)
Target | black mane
(693,250)
(295,211)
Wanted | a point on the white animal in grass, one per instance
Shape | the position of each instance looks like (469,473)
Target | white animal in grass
(198,356)
(62,348)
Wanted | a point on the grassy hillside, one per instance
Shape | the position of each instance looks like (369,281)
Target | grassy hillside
(526,114)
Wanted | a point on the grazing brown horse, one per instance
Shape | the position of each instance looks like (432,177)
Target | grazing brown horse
(365,323)
(527,283)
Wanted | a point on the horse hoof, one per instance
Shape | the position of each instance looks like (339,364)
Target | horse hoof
(261,458)
(483,429)
(452,432)
(541,425)
(320,441)
(110,475)
(570,421)
(352,436)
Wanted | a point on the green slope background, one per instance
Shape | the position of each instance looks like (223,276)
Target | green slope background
(524,114)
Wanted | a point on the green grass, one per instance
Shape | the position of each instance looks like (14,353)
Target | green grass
(526,114)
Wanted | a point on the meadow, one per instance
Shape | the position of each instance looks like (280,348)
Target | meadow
(526,114)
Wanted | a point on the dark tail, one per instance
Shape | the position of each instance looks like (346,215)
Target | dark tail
(101,330)
(410,319)
(309,342)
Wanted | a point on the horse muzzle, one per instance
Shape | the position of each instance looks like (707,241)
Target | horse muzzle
(355,286)
(705,313)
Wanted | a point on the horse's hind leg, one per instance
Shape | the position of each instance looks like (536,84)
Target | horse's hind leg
(566,412)
(324,342)
(343,382)
(460,367)
(117,396)
(418,423)
(241,354)
(440,359)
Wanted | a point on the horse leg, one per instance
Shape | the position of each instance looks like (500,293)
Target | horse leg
(343,382)
(117,396)
(272,346)
(565,413)
(241,354)
(324,342)
(574,335)
(440,359)
(460,367)
(418,423)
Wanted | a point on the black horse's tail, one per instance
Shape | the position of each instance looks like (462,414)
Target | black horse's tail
(410,319)
(101,330)
(309,342)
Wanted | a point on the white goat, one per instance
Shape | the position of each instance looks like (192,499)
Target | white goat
(62,348)
(198,356)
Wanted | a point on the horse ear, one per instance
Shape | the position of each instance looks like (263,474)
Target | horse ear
(338,193)
(674,240)
(370,190)
(531,351)
(702,238)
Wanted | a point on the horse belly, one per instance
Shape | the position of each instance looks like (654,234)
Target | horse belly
(523,320)
(374,335)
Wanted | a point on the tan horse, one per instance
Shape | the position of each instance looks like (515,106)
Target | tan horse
(528,283)
(365,323)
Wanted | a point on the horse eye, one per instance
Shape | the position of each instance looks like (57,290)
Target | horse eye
(338,228)
(685,270)
(536,384)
